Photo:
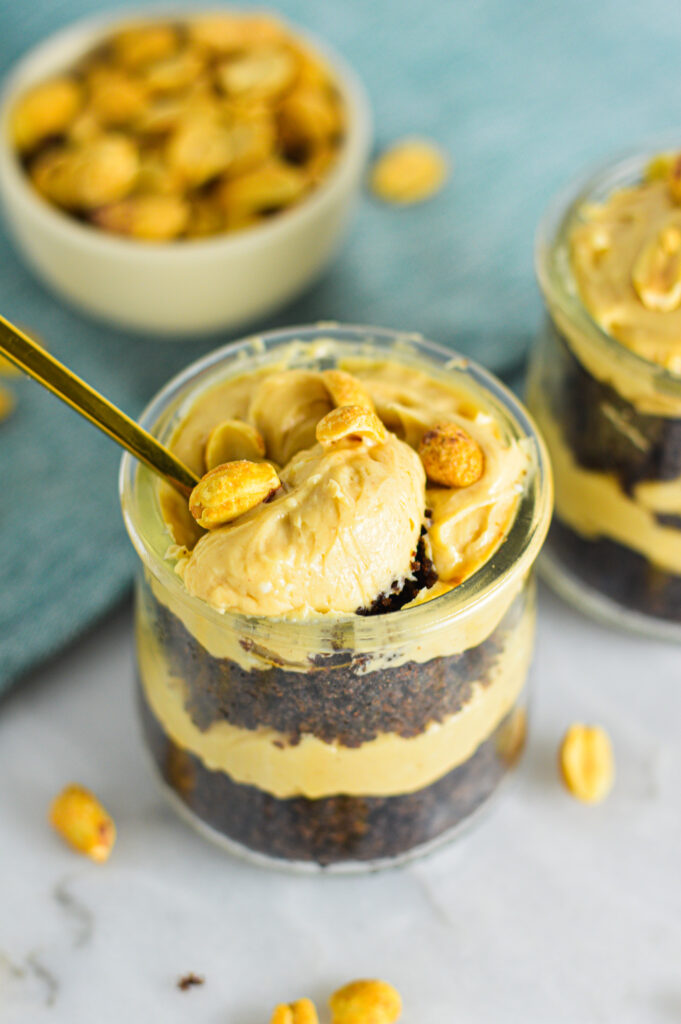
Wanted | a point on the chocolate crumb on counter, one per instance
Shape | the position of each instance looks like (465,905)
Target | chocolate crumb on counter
(189,981)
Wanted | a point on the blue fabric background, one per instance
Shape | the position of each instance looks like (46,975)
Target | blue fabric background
(520,92)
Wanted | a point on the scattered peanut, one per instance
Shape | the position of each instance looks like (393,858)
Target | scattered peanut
(674,181)
(6,403)
(229,490)
(366,1002)
(345,389)
(587,763)
(350,421)
(81,820)
(409,172)
(228,116)
(232,440)
(450,456)
(660,167)
(8,369)
(302,1011)
(656,274)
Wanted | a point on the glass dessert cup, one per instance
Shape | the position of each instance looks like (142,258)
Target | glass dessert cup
(339,741)
(611,420)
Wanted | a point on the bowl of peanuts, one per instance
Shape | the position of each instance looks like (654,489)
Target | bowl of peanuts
(182,173)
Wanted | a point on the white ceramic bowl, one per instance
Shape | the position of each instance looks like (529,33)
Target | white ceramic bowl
(180,287)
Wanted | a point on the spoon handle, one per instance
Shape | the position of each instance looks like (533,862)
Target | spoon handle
(53,375)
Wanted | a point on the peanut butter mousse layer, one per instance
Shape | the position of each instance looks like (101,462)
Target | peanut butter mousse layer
(613,434)
(327,497)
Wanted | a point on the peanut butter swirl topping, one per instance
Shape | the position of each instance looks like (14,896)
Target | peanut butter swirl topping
(352,479)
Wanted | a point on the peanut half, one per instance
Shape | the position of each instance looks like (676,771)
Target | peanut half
(80,819)
(450,456)
(409,172)
(350,421)
(229,490)
(6,403)
(366,1002)
(344,389)
(232,440)
(587,763)
(302,1011)
(656,274)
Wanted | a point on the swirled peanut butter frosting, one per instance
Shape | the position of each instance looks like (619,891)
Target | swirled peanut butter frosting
(626,259)
(339,491)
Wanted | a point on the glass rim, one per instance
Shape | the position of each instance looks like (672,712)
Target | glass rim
(552,269)
(513,558)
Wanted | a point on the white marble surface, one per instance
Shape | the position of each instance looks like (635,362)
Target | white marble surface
(548,912)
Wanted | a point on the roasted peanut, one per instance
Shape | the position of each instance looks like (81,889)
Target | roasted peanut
(350,422)
(205,218)
(44,111)
(6,403)
(272,186)
(101,170)
(309,117)
(8,369)
(116,98)
(253,138)
(345,389)
(229,490)
(146,218)
(674,179)
(409,172)
(176,72)
(656,274)
(660,167)
(224,33)
(139,45)
(302,1011)
(587,763)
(200,149)
(263,74)
(450,456)
(81,820)
(232,440)
(366,1002)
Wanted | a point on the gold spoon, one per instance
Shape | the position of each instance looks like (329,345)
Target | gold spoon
(53,375)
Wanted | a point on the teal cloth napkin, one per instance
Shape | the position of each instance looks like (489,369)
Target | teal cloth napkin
(521,95)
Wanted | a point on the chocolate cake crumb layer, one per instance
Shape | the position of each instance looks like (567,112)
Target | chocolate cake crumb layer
(604,430)
(339,828)
(333,700)
(618,572)
(424,576)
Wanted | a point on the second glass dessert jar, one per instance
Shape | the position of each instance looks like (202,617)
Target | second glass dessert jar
(339,740)
(611,418)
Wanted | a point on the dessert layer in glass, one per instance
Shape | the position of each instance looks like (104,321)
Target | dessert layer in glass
(338,674)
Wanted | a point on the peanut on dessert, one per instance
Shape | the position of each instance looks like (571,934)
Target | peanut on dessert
(183,129)
(82,822)
(587,763)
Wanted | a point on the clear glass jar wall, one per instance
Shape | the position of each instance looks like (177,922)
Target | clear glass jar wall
(342,741)
(612,424)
